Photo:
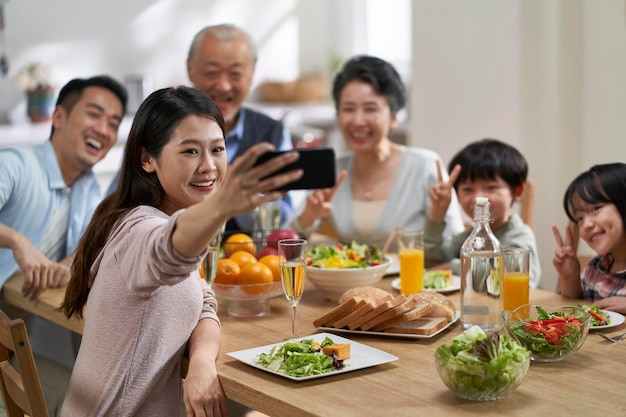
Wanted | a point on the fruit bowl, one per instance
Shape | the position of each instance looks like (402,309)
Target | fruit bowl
(248,300)
(333,282)
(549,333)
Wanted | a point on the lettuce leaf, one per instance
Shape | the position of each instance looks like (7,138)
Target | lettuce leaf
(298,358)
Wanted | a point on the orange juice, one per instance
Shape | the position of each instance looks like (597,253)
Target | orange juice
(411,270)
(515,290)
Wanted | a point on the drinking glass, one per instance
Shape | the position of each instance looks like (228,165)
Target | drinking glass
(411,256)
(210,260)
(292,255)
(516,287)
(266,219)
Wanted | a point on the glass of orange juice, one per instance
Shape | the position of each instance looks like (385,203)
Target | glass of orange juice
(411,255)
(516,285)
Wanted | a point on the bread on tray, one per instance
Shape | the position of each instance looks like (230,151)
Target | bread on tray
(373,309)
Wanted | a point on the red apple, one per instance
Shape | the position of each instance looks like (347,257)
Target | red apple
(267,251)
(276,235)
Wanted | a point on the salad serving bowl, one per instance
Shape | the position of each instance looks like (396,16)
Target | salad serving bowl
(248,300)
(549,333)
(333,282)
(482,366)
(334,269)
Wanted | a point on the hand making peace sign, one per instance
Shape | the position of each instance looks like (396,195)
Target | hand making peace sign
(319,203)
(440,194)
(565,260)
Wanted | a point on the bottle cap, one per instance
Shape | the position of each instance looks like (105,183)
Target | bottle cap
(482,201)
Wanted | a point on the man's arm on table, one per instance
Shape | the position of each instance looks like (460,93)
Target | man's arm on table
(39,272)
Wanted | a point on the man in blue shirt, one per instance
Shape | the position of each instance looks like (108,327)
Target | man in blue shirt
(221,63)
(48,192)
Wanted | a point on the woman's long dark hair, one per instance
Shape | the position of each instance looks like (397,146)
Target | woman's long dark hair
(600,184)
(156,120)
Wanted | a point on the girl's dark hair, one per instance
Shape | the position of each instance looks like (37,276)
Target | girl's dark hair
(380,74)
(604,183)
(488,159)
(155,122)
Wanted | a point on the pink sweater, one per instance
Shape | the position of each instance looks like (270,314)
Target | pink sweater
(145,301)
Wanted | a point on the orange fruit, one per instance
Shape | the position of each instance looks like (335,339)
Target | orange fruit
(227,272)
(273,261)
(256,273)
(237,242)
(242,258)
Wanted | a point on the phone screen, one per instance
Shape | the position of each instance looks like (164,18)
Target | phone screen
(318,165)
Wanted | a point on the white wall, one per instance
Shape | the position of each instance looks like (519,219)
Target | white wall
(549,77)
(121,38)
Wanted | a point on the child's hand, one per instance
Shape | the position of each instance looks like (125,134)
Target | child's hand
(566,264)
(319,203)
(615,303)
(440,194)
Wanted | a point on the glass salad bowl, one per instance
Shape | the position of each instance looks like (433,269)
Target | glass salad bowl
(482,366)
(549,333)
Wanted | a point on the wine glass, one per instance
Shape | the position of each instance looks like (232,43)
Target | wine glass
(292,257)
(210,260)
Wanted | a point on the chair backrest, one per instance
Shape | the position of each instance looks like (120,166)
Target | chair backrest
(21,390)
(527,203)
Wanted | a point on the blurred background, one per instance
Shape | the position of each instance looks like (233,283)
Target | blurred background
(549,77)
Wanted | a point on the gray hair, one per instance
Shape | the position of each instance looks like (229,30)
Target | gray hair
(223,32)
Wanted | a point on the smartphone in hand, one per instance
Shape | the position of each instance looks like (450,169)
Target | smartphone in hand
(318,165)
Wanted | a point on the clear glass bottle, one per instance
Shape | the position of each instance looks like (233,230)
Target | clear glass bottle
(481,273)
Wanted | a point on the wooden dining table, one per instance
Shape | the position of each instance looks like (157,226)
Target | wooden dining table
(590,382)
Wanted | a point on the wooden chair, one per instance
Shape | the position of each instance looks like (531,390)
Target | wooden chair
(21,391)
(527,203)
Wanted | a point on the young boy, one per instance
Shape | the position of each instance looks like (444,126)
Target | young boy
(485,168)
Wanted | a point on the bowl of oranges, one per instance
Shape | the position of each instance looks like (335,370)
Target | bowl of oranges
(247,276)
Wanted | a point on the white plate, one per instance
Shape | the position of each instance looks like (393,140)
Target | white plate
(457,315)
(616,320)
(394,268)
(361,356)
(455,286)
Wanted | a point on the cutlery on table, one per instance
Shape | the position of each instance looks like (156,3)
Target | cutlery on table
(613,339)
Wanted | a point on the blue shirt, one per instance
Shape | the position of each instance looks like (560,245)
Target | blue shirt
(233,139)
(31,187)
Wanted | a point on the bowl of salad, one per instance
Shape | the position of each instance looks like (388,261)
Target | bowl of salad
(336,268)
(549,333)
(482,366)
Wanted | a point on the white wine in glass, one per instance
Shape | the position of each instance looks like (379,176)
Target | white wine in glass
(292,276)
(292,254)
(210,264)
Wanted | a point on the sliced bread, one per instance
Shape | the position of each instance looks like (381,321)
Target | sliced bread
(424,326)
(407,305)
(442,306)
(419,311)
(366,292)
(361,310)
(336,313)
(359,321)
